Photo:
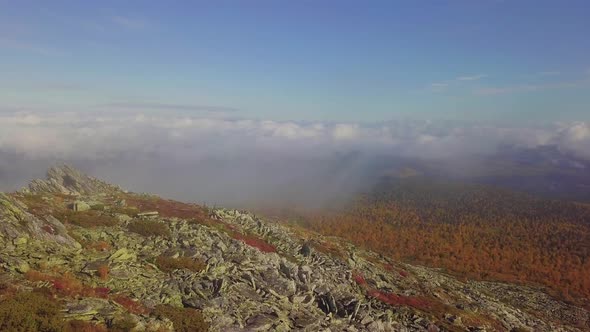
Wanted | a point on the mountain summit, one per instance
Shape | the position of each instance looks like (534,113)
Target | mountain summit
(133,262)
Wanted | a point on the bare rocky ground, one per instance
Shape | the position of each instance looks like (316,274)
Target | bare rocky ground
(249,274)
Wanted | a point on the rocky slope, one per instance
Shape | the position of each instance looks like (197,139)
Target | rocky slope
(108,256)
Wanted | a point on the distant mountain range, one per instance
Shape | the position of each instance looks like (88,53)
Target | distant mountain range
(544,171)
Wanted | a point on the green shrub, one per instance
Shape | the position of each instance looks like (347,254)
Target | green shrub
(30,312)
(97,207)
(184,319)
(168,264)
(149,228)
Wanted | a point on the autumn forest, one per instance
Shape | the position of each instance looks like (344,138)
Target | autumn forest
(472,231)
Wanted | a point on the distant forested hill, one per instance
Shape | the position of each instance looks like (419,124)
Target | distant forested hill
(477,231)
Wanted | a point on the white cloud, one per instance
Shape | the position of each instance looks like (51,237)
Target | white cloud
(233,160)
(89,135)
(529,87)
(471,78)
(441,86)
(345,132)
(577,132)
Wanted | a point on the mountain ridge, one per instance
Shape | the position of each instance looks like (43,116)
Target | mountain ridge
(153,263)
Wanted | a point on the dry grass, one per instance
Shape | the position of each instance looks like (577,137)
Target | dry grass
(83,326)
(167,208)
(149,228)
(86,219)
(184,319)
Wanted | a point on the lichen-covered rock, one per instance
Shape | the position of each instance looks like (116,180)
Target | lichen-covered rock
(18,225)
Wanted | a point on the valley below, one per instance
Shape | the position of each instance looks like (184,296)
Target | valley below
(104,259)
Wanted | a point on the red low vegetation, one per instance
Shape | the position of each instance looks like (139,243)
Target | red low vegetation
(197,214)
(133,306)
(102,292)
(103,272)
(98,246)
(420,303)
(48,229)
(388,267)
(66,284)
(329,248)
(359,279)
(167,208)
(255,242)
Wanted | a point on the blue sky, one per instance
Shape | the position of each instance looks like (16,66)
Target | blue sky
(505,61)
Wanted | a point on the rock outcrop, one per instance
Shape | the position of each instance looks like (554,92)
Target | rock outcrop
(17,225)
(70,181)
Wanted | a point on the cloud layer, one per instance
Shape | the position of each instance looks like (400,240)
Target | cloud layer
(235,161)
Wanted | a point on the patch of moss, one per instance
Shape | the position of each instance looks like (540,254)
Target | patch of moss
(184,319)
(86,219)
(97,207)
(168,264)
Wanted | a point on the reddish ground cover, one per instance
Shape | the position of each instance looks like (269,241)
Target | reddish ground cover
(167,208)
(67,285)
(417,302)
(255,242)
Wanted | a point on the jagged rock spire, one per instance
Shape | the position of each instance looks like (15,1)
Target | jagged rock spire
(68,180)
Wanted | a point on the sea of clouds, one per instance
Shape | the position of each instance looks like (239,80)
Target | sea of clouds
(217,159)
